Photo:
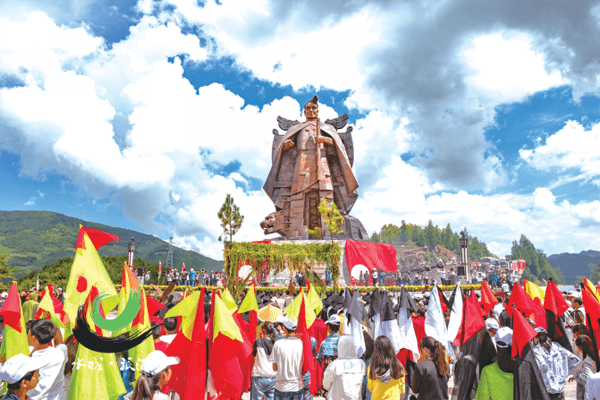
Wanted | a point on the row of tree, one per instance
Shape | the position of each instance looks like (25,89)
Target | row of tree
(431,236)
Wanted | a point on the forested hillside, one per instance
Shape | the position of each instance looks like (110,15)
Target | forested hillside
(430,235)
(37,238)
(537,266)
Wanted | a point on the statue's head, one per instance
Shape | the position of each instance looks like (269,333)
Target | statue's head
(311,109)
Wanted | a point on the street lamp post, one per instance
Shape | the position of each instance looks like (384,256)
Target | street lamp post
(130,250)
(463,270)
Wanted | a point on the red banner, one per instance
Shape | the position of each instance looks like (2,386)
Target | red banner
(378,256)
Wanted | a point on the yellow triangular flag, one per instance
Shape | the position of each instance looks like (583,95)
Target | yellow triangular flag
(223,322)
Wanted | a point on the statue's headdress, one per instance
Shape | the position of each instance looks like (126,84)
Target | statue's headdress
(314,100)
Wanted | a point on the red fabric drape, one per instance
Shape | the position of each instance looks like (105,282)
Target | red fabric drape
(378,256)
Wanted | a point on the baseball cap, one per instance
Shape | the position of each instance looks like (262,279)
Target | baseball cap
(491,323)
(334,320)
(539,329)
(4,295)
(426,294)
(157,361)
(19,365)
(418,296)
(287,322)
(504,337)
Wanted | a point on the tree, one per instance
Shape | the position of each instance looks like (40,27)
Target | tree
(333,220)
(390,234)
(432,235)
(375,237)
(537,264)
(231,219)
(7,273)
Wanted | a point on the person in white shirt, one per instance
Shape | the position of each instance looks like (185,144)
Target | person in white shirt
(263,376)
(498,308)
(51,385)
(343,378)
(287,363)
(505,287)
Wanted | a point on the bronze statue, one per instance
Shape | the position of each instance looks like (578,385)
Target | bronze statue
(311,161)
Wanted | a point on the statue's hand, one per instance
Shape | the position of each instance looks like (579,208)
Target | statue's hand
(326,140)
(287,144)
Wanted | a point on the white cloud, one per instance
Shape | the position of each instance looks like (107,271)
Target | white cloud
(124,123)
(40,194)
(505,68)
(573,146)
(30,202)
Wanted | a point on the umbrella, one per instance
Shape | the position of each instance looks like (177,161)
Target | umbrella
(269,313)
(357,269)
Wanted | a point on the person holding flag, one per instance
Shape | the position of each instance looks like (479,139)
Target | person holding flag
(51,385)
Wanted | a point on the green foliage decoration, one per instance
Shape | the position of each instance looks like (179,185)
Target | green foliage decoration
(277,257)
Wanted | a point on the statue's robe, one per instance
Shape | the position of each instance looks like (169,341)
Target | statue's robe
(294,171)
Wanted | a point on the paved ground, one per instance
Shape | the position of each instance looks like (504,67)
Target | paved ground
(569,392)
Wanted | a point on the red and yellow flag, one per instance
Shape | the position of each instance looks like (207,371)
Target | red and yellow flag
(88,271)
(15,335)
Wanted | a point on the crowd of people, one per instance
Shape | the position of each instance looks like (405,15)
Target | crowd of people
(191,278)
(377,372)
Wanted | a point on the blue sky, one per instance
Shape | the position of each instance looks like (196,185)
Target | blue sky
(146,114)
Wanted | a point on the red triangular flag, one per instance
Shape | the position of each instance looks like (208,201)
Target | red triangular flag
(154,305)
(472,320)
(554,301)
(523,332)
(525,304)
(192,358)
(488,300)
(308,360)
(97,237)
(11,309)
(58,306)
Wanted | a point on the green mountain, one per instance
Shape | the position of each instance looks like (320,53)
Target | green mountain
(538,268)
(37,238)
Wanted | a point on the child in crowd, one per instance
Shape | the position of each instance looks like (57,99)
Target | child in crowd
(156,372)
(21,374)
(386,374)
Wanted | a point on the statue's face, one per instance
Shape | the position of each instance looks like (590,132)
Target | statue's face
(311,111)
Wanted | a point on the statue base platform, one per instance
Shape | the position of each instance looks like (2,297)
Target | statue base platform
(283,278)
